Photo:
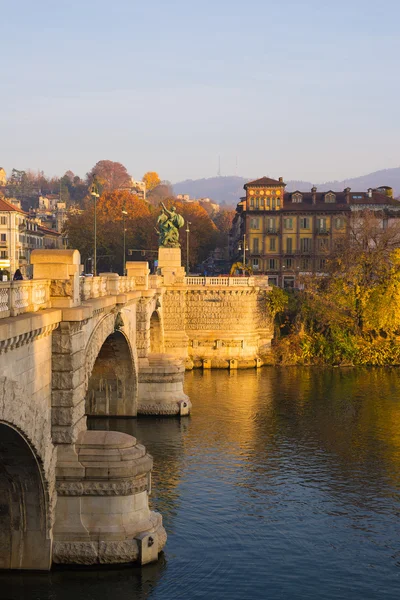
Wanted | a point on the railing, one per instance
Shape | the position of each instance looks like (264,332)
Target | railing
(17,297)
(105,285)
(219,281)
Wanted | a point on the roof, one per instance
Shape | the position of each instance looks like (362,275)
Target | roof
(6,206)
(355,198)
(264,181)
(47,230)
(340,204)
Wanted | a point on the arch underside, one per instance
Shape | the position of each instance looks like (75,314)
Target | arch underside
(24,543)
(112,385)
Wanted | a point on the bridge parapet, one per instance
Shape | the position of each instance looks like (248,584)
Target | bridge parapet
(18,297)
(107,284)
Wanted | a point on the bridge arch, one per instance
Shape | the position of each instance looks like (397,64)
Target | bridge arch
(25,542)
(111,371)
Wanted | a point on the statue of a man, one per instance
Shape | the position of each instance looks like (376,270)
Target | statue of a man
(169,223)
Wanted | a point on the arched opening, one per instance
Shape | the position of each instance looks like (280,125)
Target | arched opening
(156,342)
(23,540)
(112,388)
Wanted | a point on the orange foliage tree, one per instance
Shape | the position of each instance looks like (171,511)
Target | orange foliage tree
(139,229)
(151,179)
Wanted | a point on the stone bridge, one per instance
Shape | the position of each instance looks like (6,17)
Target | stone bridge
(74,346)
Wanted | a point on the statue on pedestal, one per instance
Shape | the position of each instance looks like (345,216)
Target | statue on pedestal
(169,223)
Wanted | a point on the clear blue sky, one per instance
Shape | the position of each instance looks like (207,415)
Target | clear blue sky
(306,89)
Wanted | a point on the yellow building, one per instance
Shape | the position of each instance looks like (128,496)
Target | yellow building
(3,177)
(285,234)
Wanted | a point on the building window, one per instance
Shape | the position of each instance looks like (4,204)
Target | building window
(321,225)
(3,253)
(323,245)
(330,198)
(255,263)
(273,263)
(4,220)
(252,202)
(305,244)
(255,223)
(255,246)
(339,223)
(304,223)
(273,281)
(288,262)
(278,202)
(272,244)
(3,237)
(257,203)
(289,245)
(305,264)
(322,264)
(288,282)
(288,223)
(271,226)
(297,198)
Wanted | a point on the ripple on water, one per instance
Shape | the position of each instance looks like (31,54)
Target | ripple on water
(283,484)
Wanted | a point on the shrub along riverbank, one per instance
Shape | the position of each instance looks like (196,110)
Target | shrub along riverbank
(350,315)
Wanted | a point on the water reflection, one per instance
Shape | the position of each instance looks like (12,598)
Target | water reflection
(284,483)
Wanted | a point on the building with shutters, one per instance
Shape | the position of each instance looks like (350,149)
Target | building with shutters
(284,235)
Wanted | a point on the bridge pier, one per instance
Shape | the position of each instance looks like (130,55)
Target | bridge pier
(161,386)
(102,514)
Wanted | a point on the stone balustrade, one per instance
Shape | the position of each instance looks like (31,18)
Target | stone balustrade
(17,297)
(107,284)
(256,280)
(220,281)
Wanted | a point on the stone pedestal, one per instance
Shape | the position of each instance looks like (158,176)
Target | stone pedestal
(160,389)
(102,511)
(170,265)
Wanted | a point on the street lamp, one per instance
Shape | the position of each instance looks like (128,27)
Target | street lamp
(245,247)
(94,192)
(187,246)
(124,213)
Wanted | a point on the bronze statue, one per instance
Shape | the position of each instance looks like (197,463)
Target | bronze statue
(169,223)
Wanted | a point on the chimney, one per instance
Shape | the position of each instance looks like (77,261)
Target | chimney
(347,194)
(280,179)
(369,192)
(314,194)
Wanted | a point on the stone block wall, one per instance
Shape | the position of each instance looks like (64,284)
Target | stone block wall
(227,327)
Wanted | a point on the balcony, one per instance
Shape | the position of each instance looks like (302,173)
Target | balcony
(3,244)
(322,230)
(272,230)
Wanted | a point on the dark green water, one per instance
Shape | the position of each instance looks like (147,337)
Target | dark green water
(283,484)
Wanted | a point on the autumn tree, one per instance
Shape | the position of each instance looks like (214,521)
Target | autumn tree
(110,175)
(151,179)
(110,222)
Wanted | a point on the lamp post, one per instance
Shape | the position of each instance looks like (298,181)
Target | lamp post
(124,213)
(187,246)
(245,247)
(94,192)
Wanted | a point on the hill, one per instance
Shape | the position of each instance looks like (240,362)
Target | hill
(228,190)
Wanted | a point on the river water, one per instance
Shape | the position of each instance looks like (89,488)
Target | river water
(282,484)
